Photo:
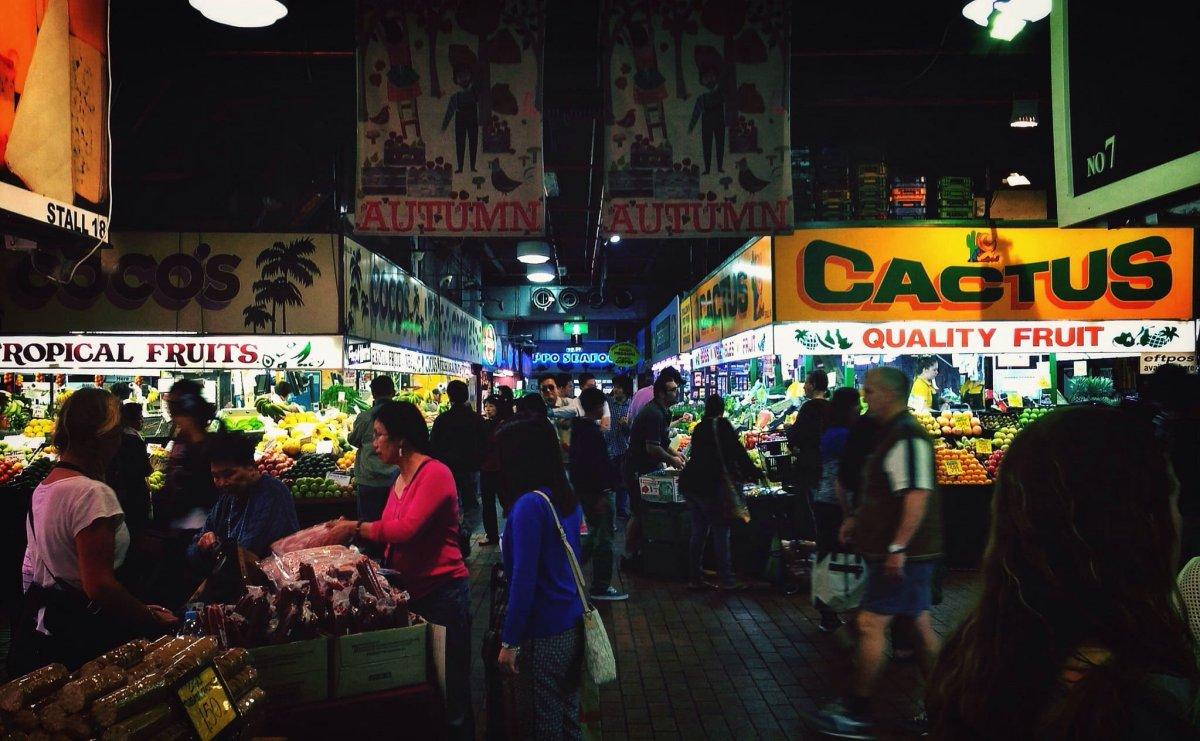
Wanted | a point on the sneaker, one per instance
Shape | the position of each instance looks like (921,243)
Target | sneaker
(830,625)
(834,720)
(611,594)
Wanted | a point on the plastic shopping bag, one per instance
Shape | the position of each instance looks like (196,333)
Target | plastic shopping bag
(839,580)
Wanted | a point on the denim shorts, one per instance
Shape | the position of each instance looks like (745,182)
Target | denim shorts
(909,596)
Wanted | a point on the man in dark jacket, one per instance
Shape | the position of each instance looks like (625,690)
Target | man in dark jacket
(459,440)
(128,471)
(595,481)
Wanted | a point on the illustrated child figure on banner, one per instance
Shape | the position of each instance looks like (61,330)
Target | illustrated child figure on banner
(464,105)
(710,108)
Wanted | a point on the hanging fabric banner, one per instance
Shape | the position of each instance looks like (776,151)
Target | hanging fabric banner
(698,137)
(450,117)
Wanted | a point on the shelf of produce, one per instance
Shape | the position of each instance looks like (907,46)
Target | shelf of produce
(420,707)
(966,520)
(314,511)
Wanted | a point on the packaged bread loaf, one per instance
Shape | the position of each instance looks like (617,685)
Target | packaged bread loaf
(32,687)
(79,693)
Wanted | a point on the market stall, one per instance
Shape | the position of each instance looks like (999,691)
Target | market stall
(991,327)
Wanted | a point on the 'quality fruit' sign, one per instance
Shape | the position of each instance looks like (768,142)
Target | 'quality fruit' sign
(960,274)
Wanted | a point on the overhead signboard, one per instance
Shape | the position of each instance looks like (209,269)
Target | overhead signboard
(450,118)
(664,332)
(1123,93)
(170,352)
(794,339)
(754,343)
(54,159)
(736,298)
(391,359)
(221,283)
(893,274)
(698,131)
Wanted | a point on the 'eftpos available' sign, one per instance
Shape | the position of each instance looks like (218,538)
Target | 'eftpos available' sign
(108,352)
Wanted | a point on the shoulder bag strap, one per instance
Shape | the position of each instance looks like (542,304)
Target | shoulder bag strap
(570,552)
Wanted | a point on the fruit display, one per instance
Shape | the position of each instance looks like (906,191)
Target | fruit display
(992,421)
(950,462)
(959,423)
(1004,437)
(15,415)
(39,428)
(26,480)
(264,406)
(313,465)
(10,469)
(159,457)
(992,464)
(310,487)
(275,463)
(928,423)
(346,462)
(1031,415)
(156,481)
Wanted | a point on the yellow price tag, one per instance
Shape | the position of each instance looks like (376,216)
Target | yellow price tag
(1014,400)
(953,467)
(207,704)
(983,446)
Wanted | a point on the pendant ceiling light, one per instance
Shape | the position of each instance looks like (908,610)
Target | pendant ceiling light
(533,252)
(1015,180)
(1024,114)
(241,13)
(541,273)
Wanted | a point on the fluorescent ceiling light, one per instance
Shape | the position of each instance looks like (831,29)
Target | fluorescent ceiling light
(1006,26)
(1026,10)
(533,252)
(1016,179)
(241,13)
(542,273)
(978,11)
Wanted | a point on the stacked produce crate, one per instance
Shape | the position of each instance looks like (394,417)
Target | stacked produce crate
(833,185)
(871,193)
(803,178)
(906,200)
(956,199)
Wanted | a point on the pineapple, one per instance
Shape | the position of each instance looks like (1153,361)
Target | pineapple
(806,338)
(1162,337)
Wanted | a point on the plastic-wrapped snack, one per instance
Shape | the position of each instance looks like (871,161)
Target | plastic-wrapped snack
(288,606)
(282,568)
(231,662)
(252,702)
(370,578)
(130,700)
(123,656)
(255,607)
(313,537)
(242,682)
(29,719)
(144,725)
(32,687)
(79,693)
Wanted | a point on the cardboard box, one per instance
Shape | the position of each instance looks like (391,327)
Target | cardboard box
(660,488)
(293,673)
(381,660)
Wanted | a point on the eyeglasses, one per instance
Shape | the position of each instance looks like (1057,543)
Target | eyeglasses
(549,387)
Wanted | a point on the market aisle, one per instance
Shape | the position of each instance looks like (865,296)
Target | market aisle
(697,665)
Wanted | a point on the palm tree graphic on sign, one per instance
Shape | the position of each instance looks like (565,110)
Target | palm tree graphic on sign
(282,266)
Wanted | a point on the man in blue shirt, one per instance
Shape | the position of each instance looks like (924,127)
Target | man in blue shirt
(252,510)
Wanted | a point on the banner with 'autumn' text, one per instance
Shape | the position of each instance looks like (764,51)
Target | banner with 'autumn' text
(698,135)
(450,117)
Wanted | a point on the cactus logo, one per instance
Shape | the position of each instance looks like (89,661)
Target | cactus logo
(490,345)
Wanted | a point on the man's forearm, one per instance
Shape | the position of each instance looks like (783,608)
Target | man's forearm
(911,516)
(660,453)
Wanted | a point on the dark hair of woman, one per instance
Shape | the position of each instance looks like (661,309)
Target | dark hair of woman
(86,416)
(845,407)
(532,460)
(531,405)
(403,421)
(184,400)
(1081,563)
(714,406)
(504,409)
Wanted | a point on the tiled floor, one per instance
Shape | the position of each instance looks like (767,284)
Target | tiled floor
(707,665)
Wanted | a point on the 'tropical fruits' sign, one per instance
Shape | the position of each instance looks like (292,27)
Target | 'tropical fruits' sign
(120,352)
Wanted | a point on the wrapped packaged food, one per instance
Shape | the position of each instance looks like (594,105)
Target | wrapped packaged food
(123,656)
(242,682)
(79,693)
(133,698)
(231,662)
(313,537)
(32,687)
(144,725)
(251,702)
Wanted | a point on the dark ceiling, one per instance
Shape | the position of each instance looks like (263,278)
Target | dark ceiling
(217,128)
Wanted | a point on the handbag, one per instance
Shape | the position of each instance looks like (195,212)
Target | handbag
(598,657)
(839,580)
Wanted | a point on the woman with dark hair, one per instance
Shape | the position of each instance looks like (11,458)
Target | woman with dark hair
(716,462)
(75,609)
(495,413)
(531,406)
(189,492)
(419,531)
(827,504)
(1079,631)
(542,634)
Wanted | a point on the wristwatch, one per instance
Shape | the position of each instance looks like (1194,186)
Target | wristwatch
(896,548)
(510,647)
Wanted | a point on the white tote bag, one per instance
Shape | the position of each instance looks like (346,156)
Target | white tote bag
(839,580)
(598,657)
